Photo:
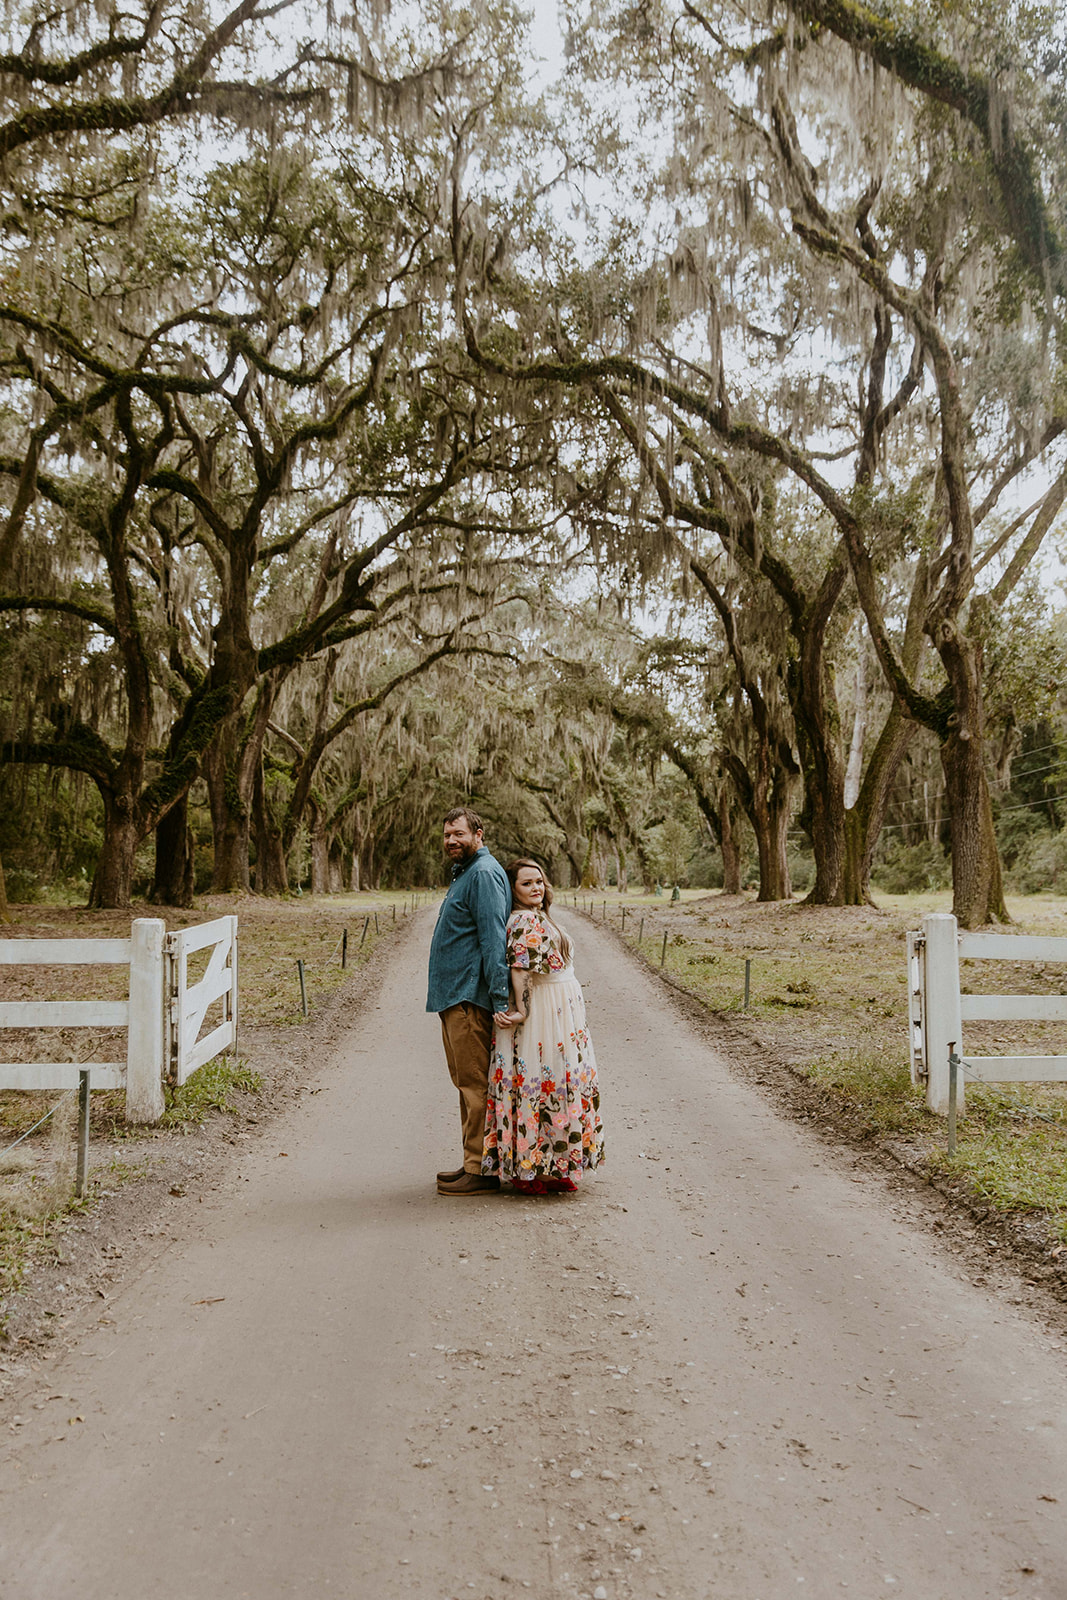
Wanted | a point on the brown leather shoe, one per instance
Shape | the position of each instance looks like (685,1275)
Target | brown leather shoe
(470,1183)
(450,1177)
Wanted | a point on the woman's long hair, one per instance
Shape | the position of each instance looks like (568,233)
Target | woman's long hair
(566,949)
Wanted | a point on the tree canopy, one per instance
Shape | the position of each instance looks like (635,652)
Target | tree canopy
(663,462)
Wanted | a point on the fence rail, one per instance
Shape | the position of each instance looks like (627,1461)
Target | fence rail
(937,1010)
(163,1013)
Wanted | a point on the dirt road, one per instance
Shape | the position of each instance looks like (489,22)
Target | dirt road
(729,1367)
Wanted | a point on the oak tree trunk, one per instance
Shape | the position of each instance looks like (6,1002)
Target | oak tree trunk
(172,882)
(320,855)
(729,845)
(113,879)
(272,874)
(977,884)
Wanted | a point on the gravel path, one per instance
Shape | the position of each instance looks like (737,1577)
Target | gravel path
(730,1367)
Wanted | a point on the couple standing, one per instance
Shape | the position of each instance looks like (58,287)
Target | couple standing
(513,1020)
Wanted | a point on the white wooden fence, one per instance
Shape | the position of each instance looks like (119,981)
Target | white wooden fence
(162,1014)
(937,1010)
(189,1005)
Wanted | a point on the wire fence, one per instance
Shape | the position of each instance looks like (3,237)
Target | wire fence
(38,1180)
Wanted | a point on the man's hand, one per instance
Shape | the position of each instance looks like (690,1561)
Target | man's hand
(508,1019)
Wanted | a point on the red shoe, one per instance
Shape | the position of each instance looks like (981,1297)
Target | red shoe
(529,1186)
(561,1186)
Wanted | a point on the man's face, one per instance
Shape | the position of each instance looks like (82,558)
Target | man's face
(460,842)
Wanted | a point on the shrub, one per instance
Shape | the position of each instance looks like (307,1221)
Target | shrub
(912,868)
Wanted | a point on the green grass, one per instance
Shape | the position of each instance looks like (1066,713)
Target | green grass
(1012,1150)
(874,1089)
(211,1088)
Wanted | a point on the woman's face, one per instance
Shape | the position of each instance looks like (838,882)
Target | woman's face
(529,889)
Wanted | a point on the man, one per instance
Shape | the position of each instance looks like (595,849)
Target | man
(468,982)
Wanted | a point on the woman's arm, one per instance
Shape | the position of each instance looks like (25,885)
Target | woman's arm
(520,989)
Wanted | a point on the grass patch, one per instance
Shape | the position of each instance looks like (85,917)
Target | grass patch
(18,1237)
(209,1089)
(1012,1149)
(875,1087)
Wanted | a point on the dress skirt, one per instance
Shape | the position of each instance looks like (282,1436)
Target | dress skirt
(543,1111)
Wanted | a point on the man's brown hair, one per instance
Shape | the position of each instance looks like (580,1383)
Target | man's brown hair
(474,821)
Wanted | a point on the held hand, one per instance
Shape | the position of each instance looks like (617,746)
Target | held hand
(508,1019)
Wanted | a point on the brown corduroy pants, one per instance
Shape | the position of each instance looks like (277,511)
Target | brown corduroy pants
(467,1031)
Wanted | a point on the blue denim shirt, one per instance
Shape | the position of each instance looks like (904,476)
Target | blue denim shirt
(467,956)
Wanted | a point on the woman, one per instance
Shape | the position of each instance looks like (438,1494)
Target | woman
(542,1121)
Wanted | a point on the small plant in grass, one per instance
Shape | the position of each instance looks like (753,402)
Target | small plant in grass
(120,1171)
(1015,1170)
(875,1084)
(210,1089)
(16,1243)
(1012,1149)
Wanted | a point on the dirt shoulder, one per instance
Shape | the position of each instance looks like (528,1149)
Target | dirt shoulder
(75,1261)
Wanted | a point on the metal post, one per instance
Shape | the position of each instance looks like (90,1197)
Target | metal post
(941,1013)
(953,1080)
(624,920)
(603,911)
(748,979)
(83,1133)
(363,935)
(663,952)
(641,933)
(344,949)
(394,913)
(376,927)
(303,988)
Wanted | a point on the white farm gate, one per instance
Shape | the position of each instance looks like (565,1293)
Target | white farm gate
(163,1014)
(937,1010)
(189,1004)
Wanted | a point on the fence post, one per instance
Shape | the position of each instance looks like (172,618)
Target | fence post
(145,1061)
(82,1170)
(941,1012)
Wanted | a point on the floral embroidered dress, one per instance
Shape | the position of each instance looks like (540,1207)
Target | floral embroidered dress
(542,1117)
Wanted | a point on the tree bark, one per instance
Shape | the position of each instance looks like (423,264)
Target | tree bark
(229,816)
(320,850)
(977,884)
(729,845)
(113,879)
(864,820)
(770,823)
(230,767)
(768,801)
(172,883)
(272,874)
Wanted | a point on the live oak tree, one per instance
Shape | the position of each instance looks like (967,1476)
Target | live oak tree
(228,383)
(874,287)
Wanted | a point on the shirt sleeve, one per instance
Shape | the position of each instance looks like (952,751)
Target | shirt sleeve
(490,907)
(528,942)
